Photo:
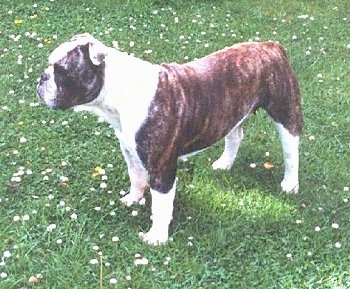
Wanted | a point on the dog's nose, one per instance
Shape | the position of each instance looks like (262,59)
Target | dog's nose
(44,77)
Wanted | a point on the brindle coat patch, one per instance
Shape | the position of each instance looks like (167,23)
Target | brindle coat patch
(198,103)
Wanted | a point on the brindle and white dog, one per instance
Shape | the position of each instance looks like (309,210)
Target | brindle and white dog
(163,112)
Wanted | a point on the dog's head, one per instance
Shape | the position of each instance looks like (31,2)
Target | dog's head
(75,74)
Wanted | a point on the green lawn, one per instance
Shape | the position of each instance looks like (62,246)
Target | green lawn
(62,222)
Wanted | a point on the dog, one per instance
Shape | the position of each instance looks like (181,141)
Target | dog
(162,112)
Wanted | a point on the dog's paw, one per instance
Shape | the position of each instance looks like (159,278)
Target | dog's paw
(130,199)
(154,237)
(221,164)
(290,187)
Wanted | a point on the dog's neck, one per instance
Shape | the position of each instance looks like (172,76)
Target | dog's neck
(129,87)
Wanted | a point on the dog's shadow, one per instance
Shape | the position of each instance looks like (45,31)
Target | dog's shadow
(197,184)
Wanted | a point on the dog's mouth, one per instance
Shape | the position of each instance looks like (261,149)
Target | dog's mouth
(47,94)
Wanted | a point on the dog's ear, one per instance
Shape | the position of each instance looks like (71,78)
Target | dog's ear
(98,52)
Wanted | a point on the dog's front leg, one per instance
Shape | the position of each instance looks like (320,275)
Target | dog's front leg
(162,213)
(138,178)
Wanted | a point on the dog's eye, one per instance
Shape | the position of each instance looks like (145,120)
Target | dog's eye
(59,68)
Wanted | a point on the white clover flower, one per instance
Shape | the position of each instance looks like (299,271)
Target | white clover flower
(142,261)
(317,229)
(64,179)
(113,281)
(93,262)
(74,216)
(303,16)
(337,245)
(16,179)
(25,217)
(16,218)
(3,275)
(51,227)
(115,239)
(335,226)
(7,254)
(167,260)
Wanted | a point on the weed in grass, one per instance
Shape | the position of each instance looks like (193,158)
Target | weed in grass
(62,225)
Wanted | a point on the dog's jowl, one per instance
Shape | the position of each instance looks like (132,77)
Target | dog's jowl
(163,112)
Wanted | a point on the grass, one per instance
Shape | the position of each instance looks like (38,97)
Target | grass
(61,222)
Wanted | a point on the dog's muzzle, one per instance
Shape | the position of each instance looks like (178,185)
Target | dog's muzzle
(42,85)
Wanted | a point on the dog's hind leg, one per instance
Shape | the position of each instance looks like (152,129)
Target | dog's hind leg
(232,142)
(290,147)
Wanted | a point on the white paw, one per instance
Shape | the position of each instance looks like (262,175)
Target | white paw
(130,199)
(154,237)
(290,186)
(221,164)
